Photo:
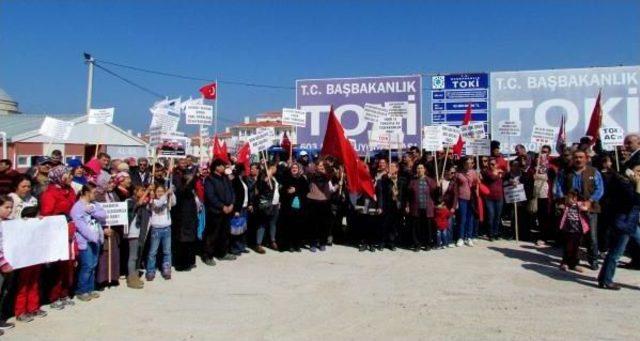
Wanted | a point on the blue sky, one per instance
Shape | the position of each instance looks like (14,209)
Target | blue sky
(277,42)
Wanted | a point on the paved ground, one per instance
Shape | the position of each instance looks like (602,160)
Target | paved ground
(491,291)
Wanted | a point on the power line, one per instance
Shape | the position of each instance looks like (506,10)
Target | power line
(175,75)
(147,90)
(132,83)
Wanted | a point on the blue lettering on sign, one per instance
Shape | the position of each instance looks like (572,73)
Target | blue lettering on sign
(472,94)
(474,117)
(452,94)
(438,94)
(438,106)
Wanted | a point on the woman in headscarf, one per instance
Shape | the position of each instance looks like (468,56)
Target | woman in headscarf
(122,181)
(58,199)
(108,271)
(77,171)
(294,194)
(184,218)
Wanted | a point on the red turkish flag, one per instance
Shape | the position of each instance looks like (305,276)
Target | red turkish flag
(338,146)
(244,157)
(457,148)
(209,91)
(219,151)
(596,121)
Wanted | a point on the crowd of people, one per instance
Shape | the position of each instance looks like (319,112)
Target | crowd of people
(180,209)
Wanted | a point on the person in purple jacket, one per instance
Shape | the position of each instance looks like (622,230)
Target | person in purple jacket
(88,216)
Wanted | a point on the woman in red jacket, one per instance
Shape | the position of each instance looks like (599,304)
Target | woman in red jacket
(58,199)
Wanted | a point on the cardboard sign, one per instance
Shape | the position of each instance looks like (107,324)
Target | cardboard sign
(450,135)
(514,194)
(543,135)
(509,128)
(385,140)
(374,113)
(262,140)
(55,129)
(611,137)
(389,124)
(432,138)
(473,131)
(294,117)
(169,123)
(199,114)
(398,109)
(100,116)
(478,147)
(27,242)
(117,213)
(173,146)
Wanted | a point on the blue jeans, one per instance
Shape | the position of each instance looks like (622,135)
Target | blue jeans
(271,221)
(619,240)
(87,262)
(494,212)
(161,235)
(443,237)
(465,219)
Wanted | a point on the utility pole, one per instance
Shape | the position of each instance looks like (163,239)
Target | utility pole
(89,60)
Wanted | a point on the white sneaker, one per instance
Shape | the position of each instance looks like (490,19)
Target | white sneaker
(450,245)
(459,242)
(469,242)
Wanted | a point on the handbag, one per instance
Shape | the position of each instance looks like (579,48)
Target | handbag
(265,207)
(295,203)
(238,225)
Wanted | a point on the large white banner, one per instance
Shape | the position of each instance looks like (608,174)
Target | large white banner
(55,129)
(294,117)
(542,97)
(168,122)
(100,116)
(27,242)
(201,114)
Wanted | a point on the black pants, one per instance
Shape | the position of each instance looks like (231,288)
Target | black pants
(185,255)
(422,233)
(216,236)
(292,229)
(571,249)
(545,219)
(392,221)
(320,221)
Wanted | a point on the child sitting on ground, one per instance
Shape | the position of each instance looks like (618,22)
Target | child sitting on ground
(573,226)
(160,223)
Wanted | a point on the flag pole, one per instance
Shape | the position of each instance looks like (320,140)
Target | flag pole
(201,144)
(215,123)
(615,149)
(435,160)
(446,156)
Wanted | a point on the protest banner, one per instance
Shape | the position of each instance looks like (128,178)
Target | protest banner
(374,113)
(611,137)
(173,146)
(390,124)
(450,135)
(199,114)
(398,109)
(432,138)
(379,139)
(261,140)
(100,116)
(543,135)
(294,117)
(514,194)
(473,131)
(55,129)
(27,242)
(169,123)
(478,147)
(117,213)
(509,128)
(155,134)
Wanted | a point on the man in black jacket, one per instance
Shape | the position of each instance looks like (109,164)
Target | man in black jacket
(390,191)
(141,175)
(219,198)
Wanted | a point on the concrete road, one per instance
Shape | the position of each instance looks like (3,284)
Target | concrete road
(493,291)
